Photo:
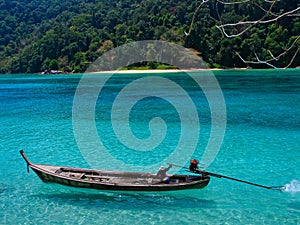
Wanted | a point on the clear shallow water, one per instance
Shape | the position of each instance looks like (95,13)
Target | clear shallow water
(261,145)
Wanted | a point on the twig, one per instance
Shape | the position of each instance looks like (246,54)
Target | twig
(250,24)
(274,58)
(292,60)
(194,16)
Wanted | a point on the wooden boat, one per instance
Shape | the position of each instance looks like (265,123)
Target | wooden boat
(115,180)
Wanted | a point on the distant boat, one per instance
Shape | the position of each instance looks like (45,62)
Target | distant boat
(115,180)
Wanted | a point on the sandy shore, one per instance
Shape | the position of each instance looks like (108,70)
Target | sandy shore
(150,71)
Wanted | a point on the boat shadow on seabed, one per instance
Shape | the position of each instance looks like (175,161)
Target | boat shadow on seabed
(93,198)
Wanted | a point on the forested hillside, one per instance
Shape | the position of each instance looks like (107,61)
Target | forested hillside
(36,35)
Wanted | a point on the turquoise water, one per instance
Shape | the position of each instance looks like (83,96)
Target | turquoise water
(261,145)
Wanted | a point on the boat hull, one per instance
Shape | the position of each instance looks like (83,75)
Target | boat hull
(115,180)
(51,178)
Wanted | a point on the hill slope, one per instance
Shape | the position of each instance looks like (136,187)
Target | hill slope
(36,35)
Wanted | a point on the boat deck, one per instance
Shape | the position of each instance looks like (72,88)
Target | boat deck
(112,177)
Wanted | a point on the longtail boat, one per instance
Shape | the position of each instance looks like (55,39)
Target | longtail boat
(115,180)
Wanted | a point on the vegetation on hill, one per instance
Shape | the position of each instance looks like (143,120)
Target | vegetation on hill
(68,35)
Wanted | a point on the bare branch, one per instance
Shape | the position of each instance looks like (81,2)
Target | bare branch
(264,10)
(255,62)
(242,2)
(288,49)
(274,58)
(292,60)
(252,23)
(194,16)
(271,1)
(233,3)
(268,17)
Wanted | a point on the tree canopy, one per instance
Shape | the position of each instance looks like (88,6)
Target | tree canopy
(37,35)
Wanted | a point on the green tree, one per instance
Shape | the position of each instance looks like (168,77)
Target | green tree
(53,64)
